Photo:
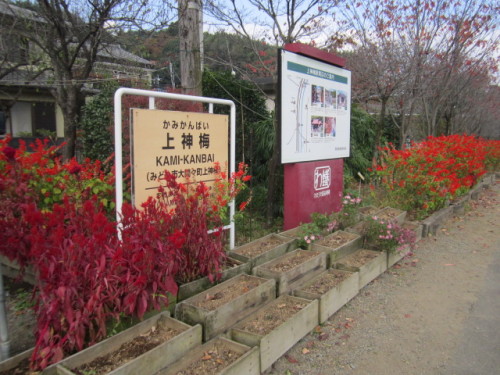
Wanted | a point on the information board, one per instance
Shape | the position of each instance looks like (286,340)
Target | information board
(315,109)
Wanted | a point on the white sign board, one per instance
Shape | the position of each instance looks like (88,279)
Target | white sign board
(315,109)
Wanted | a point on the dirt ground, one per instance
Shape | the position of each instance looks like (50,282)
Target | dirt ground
(433,313)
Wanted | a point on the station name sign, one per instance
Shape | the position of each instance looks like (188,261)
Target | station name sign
(187,144)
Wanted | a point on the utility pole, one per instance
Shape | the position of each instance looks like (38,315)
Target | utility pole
(191,41)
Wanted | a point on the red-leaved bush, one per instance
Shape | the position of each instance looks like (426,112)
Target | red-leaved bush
(72,252)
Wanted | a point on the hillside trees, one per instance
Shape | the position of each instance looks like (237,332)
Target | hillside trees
(70,34)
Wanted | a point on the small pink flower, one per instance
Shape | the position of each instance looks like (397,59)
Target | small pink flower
(313,238)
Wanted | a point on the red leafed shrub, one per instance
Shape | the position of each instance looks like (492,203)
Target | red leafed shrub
(72,251)
(147,260)
(200,253)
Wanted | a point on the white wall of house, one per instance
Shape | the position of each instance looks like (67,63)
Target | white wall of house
(20,118)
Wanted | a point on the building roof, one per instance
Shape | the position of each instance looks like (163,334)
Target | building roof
(115,51)
(106,51)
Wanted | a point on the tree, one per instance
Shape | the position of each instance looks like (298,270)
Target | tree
(70,34)
(190,51)
(432,51)
(276,22)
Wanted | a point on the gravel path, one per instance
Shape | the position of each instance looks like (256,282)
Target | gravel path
(437,312)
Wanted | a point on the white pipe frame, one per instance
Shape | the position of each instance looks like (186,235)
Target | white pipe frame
(119,150)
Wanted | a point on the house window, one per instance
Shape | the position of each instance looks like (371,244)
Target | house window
(43,117)
(3,123)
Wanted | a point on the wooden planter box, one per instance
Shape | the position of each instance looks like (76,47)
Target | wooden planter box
(333,253)
(263,250)
(334,297)
(392,214)
(215,318)
(147,363)
(12,362)
(287,278)
(197,286)
(370,264)
(273,344)
(248,362)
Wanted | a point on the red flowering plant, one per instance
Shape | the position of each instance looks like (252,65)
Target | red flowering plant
(225,188)
(421,179)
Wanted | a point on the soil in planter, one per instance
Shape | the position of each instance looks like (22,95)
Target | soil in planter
(292,261)
(260,247)
(326,282)
(211,301)
(359,258)
(23,368)
(213,361)
(336,239)
(128,351)
(272,316)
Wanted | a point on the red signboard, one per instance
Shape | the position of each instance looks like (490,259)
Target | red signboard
(312,187)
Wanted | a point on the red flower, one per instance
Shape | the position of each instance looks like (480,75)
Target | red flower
(75,169)
(10,153)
